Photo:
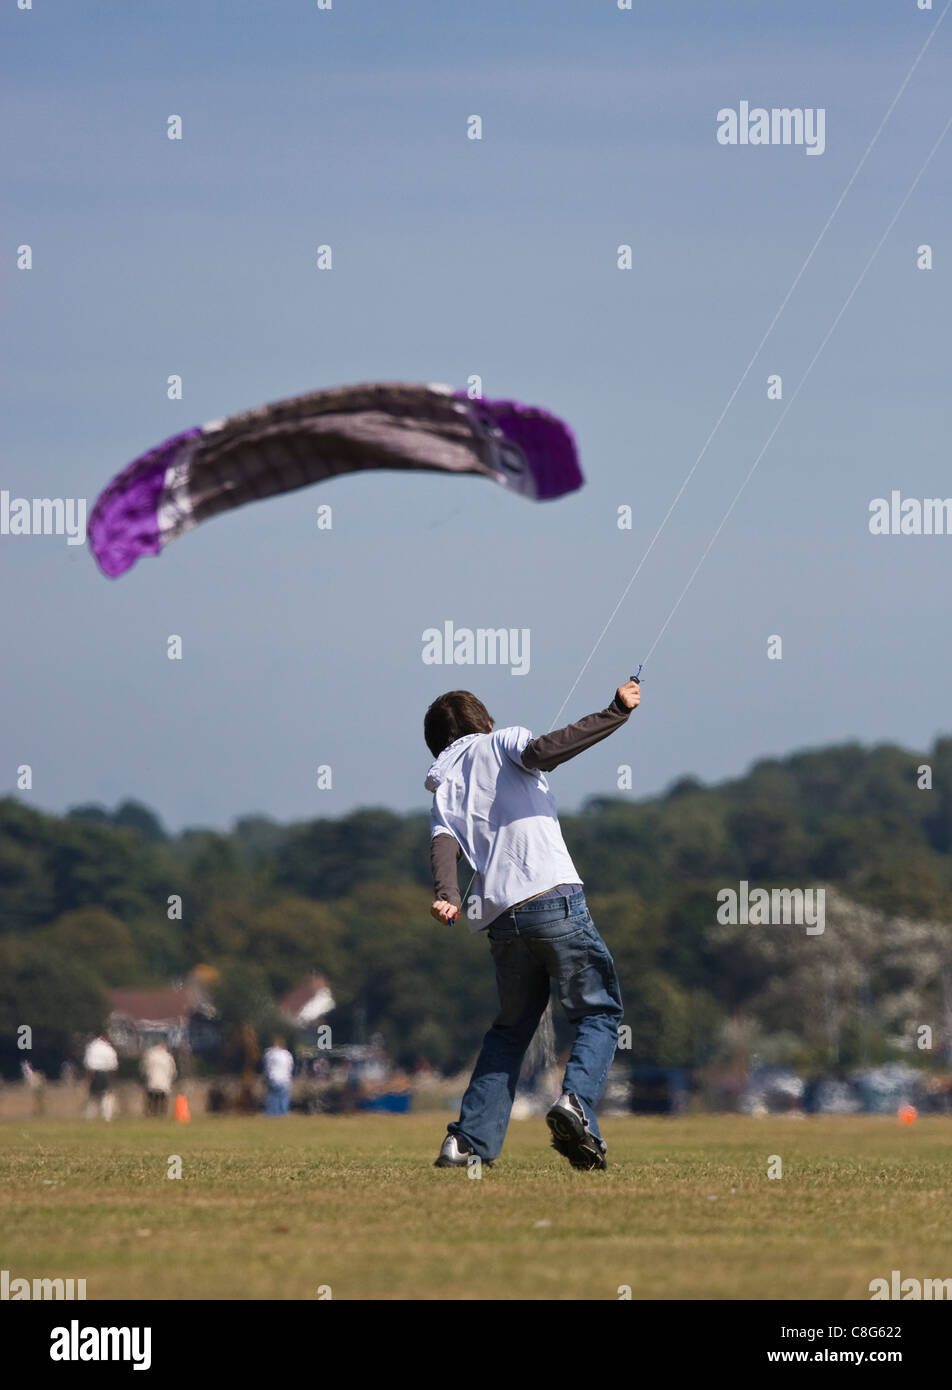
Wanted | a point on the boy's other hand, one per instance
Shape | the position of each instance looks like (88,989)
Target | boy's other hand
(444,912)
(629,694)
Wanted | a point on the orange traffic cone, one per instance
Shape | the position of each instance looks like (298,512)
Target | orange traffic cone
(181,1109)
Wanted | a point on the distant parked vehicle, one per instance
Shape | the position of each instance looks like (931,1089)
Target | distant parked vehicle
(882,1090)
(771,1090)
(659,1090)
(349,1077)
(831,1095)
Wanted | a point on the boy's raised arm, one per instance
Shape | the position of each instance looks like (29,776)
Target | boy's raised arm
(547,751)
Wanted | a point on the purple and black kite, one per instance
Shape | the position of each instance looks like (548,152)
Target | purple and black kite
(293,443)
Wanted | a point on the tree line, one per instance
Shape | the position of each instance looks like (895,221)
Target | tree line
(85,907)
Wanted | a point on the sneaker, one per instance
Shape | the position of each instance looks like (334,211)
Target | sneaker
(456,1153)
(571,1136)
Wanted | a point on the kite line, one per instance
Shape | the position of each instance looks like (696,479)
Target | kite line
(730,400)
(829,333)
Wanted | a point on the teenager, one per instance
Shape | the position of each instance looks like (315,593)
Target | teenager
(492,806)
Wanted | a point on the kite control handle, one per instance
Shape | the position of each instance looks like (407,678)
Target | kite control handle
(637,676)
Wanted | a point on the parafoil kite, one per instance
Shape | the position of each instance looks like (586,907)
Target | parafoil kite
(293,443)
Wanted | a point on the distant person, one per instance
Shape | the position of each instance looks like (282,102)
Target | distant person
(492,804)
(159,1071)
(249,1054)
(216,1101)
(278,1070)
(35,1082)
(101,1064)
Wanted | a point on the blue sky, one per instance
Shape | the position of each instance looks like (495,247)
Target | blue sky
(454,257)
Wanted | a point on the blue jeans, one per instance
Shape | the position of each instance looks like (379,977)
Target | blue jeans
(549,939)
(278,1100)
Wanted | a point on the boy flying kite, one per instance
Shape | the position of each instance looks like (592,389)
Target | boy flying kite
(492,804)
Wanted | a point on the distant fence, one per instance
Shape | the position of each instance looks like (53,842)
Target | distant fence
(65,1100)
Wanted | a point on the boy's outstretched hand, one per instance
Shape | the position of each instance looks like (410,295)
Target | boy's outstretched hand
(444,912)
(629,694)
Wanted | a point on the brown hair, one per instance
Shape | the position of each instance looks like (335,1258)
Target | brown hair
(452,716)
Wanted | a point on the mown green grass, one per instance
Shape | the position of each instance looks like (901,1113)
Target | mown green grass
(279,1208)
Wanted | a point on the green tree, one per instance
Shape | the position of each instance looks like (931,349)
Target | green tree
(293,938)
(99,939)
(58,997)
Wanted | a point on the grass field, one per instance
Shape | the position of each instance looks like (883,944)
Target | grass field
(278,1208)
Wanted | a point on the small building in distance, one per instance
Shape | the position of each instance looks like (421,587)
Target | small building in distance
(307,1006)
(181,1015)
